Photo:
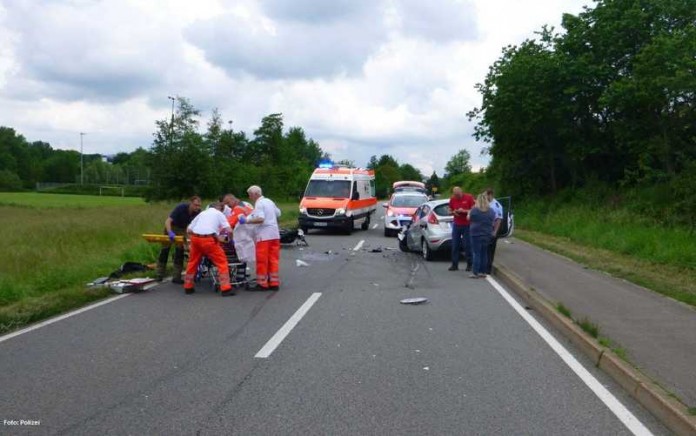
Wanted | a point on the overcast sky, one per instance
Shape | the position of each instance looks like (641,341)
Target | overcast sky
(362,77)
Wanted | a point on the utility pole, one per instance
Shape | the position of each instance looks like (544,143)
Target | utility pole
(82,161)
(171,125)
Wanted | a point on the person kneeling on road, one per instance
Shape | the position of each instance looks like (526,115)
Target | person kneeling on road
(205,234)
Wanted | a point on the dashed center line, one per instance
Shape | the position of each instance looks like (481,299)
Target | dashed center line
(359,246)
(375,226)
(273,343)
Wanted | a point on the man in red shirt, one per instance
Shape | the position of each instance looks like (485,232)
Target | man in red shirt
(460,203)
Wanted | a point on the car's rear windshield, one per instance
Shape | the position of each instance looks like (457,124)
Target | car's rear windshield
(443,210)
(328,188)
(408,200)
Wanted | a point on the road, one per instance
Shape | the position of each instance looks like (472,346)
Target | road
(357,362)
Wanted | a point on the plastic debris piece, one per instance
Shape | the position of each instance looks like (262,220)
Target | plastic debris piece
(299,262)
(416,300)
(427,368)
(101,281)
(376,250)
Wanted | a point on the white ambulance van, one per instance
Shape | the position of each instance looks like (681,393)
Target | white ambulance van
(338,198)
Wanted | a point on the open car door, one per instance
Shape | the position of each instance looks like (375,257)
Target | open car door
(507,226)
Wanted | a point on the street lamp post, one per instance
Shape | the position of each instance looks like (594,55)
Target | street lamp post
(82,161)
(171,125)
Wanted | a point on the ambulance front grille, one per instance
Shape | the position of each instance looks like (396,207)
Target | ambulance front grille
(320,212)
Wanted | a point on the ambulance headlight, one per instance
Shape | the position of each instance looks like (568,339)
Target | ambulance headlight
(340,211)
(303,210)
(390,213)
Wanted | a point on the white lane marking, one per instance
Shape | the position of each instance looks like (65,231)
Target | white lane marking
(359,246)
(60,318)
(375,226)
(277,338)
(621,412)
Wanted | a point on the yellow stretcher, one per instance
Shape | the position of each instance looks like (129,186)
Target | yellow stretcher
(163,239)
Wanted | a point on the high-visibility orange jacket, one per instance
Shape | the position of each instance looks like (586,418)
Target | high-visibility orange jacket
(238,210)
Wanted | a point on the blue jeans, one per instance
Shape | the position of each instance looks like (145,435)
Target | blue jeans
(479,250)
(460,238)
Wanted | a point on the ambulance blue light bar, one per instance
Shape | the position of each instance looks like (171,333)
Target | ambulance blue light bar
(326,164)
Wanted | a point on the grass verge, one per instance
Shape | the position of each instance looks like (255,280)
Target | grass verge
(564,310)
(676,282)
(49,254)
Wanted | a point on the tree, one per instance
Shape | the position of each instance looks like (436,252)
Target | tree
(180,159)
(458,164)
(433,183)
(346,163)
(409,172)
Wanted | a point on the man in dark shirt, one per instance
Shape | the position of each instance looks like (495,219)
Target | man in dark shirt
(176,224)
(460,204)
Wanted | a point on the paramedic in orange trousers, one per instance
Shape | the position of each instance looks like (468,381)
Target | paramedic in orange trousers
(205,232)
(265,215)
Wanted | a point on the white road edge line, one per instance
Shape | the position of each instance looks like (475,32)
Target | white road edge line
(375,226)
(359,246)
(625,416)
(277,338)
(60,318)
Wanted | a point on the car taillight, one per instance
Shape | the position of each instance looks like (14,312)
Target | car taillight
(432,219)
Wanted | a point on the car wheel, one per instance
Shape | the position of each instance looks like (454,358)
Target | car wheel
(387,232)
(427,253)
(366,224)
(403,245)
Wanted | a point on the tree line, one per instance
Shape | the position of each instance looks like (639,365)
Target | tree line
(23,164)
(609,100)
(185,159)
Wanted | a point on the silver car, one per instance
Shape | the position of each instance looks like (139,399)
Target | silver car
(430,229)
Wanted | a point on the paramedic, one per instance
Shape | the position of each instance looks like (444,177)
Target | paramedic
(206,231)
(265,215)
(175,225)
(243,235)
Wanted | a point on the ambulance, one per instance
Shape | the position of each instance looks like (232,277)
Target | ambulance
(338,198)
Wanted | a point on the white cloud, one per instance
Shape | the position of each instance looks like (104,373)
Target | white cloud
(362,77)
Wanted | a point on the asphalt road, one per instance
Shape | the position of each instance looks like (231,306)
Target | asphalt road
(358,361)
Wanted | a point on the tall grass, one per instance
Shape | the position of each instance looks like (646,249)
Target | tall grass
(608,232)
(618,230)
(50,253)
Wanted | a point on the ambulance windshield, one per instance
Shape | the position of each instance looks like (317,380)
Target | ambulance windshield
(328,188)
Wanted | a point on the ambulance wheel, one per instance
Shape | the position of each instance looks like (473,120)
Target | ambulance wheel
(366,224)
(350,227)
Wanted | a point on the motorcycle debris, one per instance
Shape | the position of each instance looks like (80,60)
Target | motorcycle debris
(416,300)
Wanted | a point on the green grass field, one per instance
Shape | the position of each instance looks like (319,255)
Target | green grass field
(39,200)
(51,252)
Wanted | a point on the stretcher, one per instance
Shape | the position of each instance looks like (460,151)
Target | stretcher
(162,239)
